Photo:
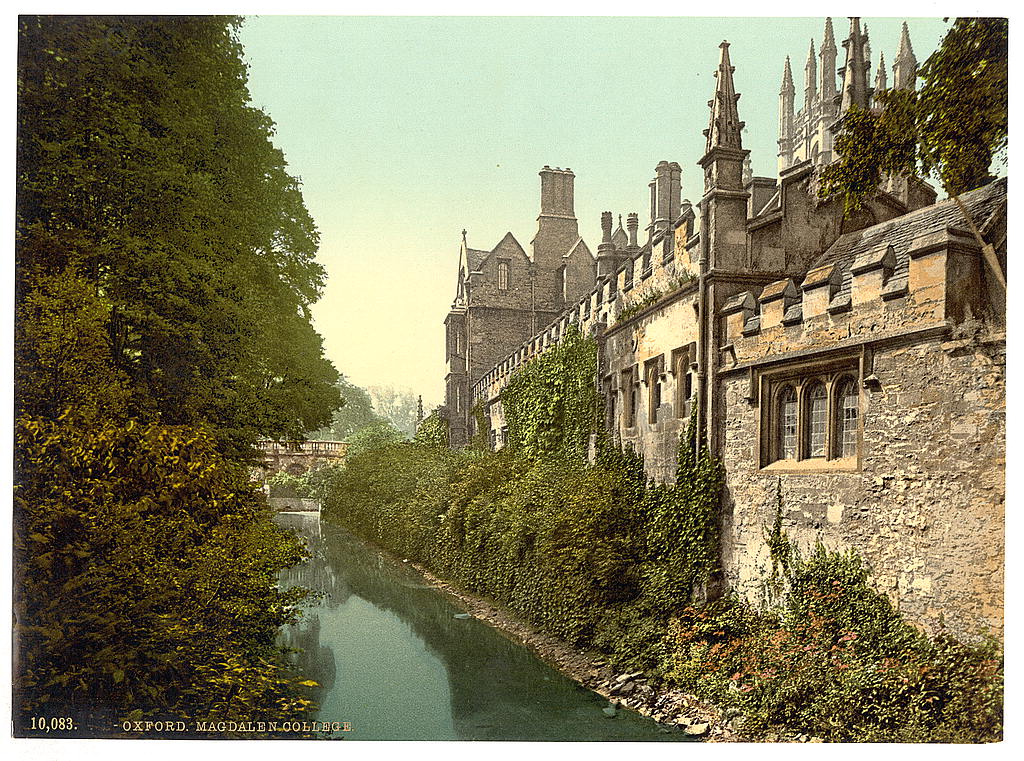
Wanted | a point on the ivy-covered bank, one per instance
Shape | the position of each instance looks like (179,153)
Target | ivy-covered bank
(600,556)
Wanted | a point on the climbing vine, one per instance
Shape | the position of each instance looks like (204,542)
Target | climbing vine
(551,402)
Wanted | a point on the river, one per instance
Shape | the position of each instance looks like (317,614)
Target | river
(397,660)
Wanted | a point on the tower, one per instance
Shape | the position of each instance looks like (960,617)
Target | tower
(725,201)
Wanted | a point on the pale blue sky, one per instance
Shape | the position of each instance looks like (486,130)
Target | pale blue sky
(404,131)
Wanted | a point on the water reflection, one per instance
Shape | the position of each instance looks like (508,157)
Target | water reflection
(393,659)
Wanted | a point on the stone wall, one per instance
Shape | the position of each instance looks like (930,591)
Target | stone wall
(924,505)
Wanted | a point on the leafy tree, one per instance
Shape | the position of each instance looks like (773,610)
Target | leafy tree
(142,165)
(355,413)
(432,431)
(952,127)
(144,560)
(164,272)
(373,437)
(399,406)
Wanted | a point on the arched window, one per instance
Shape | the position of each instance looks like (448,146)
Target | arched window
(787,424)
(847,413)
(503,276)
(817,420)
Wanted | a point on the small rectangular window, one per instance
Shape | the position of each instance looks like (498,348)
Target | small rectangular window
(503,272)
(652,371)
(630,390)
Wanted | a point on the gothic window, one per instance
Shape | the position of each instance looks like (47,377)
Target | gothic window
(681,359)
(653,373)
(812,419)
(503,276)
(847,413)
(787,420)
(817,419)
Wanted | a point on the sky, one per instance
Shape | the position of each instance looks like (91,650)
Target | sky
(406,130)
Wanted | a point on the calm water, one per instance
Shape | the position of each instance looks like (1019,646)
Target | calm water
(395,662)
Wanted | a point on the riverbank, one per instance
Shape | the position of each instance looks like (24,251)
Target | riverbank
(672,708)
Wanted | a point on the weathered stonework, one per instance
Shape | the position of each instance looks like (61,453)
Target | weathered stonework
(852,367)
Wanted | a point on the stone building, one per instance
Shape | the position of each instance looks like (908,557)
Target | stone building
(848,369)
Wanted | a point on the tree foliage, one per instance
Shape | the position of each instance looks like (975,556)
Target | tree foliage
(398,406)
(355,413)
(164,272)
(952,128)
(142,166)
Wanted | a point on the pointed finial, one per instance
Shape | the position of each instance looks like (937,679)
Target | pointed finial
(810,77)
(725,127)
(463,235)
(880,76)
(855,70)
(904,49)
(904,70)
(829,42)
(787,78)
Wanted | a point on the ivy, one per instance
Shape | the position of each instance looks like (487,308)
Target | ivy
(652,297)
(551,402)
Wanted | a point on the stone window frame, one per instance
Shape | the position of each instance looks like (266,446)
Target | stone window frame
(504,274)
(629,387)
(654,371)
(683,359)
(802,380)
(610,394)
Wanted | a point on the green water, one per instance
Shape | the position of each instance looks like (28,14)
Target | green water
(395,662)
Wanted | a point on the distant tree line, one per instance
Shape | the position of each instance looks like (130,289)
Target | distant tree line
(165,268)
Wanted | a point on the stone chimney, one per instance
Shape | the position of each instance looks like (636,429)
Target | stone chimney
(556,192)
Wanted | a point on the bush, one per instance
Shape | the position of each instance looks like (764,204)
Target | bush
(838,662)
(146,570)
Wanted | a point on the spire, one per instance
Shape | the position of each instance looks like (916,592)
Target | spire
(829,42)
(880,78)
(867,45)
(828,64)
(904,70)
(810,78)
(855,70)
(787,80)
(725,126)
(619,237)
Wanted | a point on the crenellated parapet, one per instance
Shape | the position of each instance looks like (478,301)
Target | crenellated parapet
(923,270)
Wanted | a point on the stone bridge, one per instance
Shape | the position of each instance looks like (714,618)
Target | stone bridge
(298,457)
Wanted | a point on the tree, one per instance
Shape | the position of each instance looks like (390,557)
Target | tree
(400,406)
(951,128)
(142,166)
(355,413)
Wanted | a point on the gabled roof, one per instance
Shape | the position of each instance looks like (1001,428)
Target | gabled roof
(580,246)
(983,204)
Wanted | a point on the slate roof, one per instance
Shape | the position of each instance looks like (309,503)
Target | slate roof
(475,258)
(983,204)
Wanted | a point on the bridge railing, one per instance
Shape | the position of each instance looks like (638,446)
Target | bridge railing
(314,448)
